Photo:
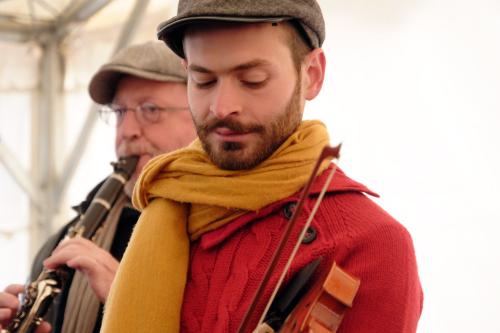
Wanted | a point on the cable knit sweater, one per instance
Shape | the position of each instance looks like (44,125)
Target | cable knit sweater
(227,264)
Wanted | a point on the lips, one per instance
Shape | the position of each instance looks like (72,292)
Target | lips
(226,134)
(224,131)
(143,159)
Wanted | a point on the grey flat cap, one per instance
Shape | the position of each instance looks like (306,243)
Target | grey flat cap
(306,12)
(151,60)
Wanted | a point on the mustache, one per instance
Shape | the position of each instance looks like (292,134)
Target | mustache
(232,125)
(134,147)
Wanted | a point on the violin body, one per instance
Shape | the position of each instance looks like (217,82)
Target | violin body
(322,309)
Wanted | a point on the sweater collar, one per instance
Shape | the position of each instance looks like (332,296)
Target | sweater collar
(340,183)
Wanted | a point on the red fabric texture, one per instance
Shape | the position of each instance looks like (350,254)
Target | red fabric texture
(227,264)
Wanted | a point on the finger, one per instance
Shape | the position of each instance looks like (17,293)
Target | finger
(102,263)
(88,265)
(64,245)
(75,241)
(64,254)
(44,327)
(100,277)
(56,260)
(71,248)
(8,300)
(5,315)
(14,289)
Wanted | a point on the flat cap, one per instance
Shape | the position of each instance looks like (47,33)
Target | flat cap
(306,12)
(151,60)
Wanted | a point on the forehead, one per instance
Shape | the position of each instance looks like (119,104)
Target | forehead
(223,46)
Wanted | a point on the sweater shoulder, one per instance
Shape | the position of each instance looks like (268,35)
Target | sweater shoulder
(353,215)
(374,247)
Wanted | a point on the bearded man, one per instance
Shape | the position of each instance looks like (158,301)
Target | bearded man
(214,212)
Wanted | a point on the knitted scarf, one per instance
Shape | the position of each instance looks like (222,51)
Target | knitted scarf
(183,195)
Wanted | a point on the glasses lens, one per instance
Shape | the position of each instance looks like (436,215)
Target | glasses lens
(107,114)
(149,113)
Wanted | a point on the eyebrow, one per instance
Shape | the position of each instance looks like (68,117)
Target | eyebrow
(242,67)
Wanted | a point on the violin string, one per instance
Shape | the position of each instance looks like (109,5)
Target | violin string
(299,241)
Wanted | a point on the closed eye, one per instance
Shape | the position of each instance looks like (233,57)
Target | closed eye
(205,84)
(254,84)
(202,80)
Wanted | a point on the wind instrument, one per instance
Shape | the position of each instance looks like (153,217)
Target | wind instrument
(40,294)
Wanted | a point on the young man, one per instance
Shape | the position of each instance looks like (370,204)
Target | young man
(213,213)
(145,88)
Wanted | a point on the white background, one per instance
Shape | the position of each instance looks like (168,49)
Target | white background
(412,91)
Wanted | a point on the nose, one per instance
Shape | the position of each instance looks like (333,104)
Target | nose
(129,128)
(225,100)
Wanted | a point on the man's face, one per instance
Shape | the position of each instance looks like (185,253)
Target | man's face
(244,92)
(173,130)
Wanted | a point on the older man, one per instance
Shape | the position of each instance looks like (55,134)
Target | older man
(144,90)
(213,213)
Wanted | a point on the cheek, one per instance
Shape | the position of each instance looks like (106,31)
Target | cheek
(196,116)
(268,106)
(186,130)
(197,103)
(176,132)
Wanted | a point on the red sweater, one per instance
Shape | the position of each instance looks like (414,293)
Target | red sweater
(227,264)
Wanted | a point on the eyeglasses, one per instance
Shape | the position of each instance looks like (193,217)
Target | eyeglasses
(145,113)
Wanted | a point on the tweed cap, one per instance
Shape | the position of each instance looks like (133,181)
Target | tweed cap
(306,12)
(151,60)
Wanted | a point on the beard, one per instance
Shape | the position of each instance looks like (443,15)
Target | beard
(230,155)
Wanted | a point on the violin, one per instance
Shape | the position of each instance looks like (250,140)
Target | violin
(317,308)
(323,307)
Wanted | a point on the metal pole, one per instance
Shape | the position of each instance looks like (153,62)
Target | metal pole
(20,30)
(21,177)
(75,156)
(47,127)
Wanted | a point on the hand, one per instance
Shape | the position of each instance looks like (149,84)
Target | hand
(9,303)
(98,265)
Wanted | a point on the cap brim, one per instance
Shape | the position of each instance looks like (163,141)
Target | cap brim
(102,87)
(171,31)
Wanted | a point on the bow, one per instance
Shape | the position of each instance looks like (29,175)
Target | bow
(327,152)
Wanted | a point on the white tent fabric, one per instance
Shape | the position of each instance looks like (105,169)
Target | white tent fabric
(412,92)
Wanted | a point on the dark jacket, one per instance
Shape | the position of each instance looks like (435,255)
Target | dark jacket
(128,218)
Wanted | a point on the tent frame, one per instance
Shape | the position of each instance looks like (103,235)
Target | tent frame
(44,186)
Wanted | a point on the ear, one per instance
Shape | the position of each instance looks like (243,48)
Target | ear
(184,63)
(313,73)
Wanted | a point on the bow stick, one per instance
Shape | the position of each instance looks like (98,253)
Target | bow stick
(327,151)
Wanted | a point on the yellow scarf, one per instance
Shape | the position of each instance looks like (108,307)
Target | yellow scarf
(183,195)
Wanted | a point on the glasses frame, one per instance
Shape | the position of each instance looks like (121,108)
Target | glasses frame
(146,113)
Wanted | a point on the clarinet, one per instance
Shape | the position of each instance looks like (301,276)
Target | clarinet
(40,293)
